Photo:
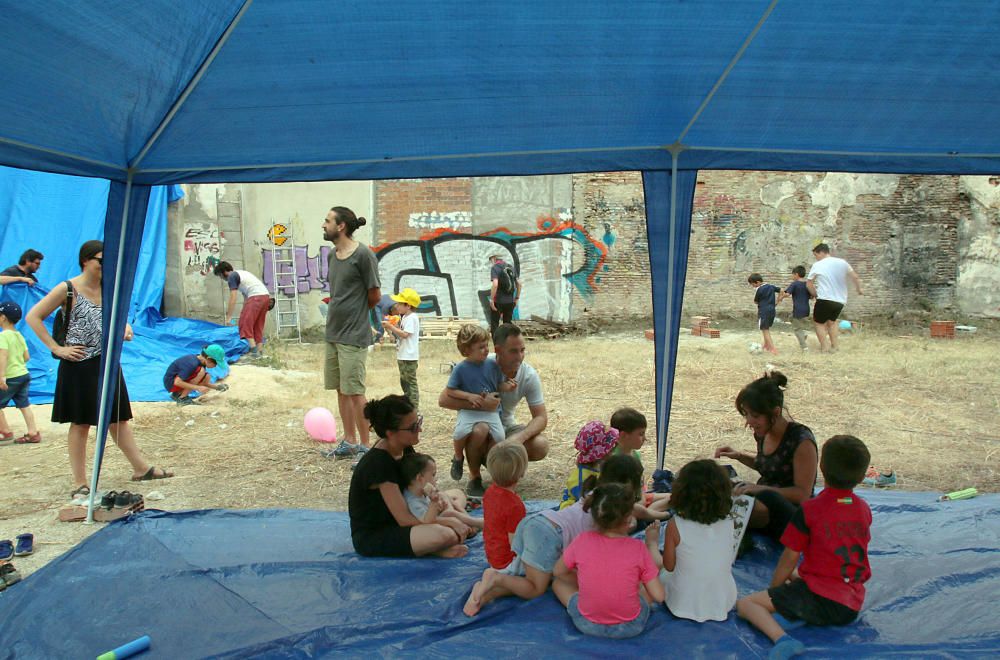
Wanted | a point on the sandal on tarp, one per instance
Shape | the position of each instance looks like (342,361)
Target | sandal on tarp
(151,475)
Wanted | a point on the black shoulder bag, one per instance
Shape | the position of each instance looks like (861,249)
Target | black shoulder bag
(60,326)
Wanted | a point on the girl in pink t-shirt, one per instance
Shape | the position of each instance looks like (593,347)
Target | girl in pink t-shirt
(606,579)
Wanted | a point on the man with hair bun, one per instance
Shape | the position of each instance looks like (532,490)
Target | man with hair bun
(354,289)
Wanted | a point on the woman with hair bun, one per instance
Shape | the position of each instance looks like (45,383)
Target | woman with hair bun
(786,455)
(381,522)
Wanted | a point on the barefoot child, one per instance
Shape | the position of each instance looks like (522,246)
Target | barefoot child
(540,539)
(475,379)
(697,547)
(422,496)
(764,297)
(14,377)
(407,334)
(831,532)
(606,579)
(189,374)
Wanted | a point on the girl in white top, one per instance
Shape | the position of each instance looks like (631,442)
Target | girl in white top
(698,545)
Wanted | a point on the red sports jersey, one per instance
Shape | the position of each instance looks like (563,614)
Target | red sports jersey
(502,510)
(832,531)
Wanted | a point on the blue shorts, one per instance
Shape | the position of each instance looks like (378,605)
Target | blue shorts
(538,543)
(17,391)
(611,631)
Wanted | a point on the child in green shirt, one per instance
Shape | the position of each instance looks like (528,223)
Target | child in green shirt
(14,376)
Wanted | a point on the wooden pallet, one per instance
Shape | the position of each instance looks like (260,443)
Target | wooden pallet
(442,327)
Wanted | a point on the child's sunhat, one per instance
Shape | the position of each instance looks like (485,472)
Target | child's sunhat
(11,310)
(215,352)
(408,296)
(594,442)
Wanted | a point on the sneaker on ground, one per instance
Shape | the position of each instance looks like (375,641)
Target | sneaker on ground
(456,468)
(475,487)
(880,480)
(345,449)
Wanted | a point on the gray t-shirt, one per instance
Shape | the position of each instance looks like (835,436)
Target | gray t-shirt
(417,504)
(350,279)
(529,388)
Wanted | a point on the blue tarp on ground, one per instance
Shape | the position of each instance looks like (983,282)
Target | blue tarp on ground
(286,583)
(55,215)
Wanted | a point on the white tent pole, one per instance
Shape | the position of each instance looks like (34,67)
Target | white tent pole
(108,339)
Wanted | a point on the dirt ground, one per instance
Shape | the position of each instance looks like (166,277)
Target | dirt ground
(928,409)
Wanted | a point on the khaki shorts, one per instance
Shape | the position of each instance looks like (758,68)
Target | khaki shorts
(345,368)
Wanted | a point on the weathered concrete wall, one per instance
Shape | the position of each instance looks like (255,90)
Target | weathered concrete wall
(198,239)
(977,289)
(580,240)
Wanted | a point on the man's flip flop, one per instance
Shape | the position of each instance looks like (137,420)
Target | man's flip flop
(151,475)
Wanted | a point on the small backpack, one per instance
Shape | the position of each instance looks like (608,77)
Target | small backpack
(60,325)
(506,280)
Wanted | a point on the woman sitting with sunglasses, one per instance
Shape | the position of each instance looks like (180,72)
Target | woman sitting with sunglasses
(381,522)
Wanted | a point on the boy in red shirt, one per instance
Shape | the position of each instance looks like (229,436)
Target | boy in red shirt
(502,507)
(831,532)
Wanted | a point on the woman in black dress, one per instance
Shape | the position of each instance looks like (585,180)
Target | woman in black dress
(77,398)
(786,455)
(381,523)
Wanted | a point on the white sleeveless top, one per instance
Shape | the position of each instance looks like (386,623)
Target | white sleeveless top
(701,586)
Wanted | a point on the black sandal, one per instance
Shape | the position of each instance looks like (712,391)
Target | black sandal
(82,490)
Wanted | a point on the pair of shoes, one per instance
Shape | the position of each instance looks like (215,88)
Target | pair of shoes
(29,438)
(456,468)
(8,575)
(346,449)
(879,479)
(181,400)
(151,475)
(475,487)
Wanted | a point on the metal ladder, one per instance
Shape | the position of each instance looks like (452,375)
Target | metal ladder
(286,296)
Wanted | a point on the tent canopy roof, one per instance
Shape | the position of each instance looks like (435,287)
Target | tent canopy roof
(270,90)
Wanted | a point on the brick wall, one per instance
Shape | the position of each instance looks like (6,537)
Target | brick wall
(900,233)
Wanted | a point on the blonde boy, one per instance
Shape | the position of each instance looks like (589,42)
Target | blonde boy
(503,508)
(407,335)
(476,380)
(14,377)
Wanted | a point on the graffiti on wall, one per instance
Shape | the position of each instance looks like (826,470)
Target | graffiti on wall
(434,220)
(202,247)
(451,269)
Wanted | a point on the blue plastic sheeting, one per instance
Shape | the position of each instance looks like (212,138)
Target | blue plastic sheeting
(496,87)
(56,215)
(286,584)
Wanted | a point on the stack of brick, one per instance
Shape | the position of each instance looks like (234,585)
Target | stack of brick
(942,329)
(700,327)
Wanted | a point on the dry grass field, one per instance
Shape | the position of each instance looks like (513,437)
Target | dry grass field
(928,409)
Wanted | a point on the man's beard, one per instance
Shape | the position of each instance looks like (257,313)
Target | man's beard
(331,237)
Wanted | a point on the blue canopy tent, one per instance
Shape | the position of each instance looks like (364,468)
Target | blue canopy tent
(157,93)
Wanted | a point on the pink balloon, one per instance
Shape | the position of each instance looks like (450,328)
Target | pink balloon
(321,425)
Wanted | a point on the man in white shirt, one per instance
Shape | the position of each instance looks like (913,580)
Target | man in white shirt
(827,283)
(508,343)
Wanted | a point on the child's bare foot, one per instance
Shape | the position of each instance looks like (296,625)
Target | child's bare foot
(479,589)
(653,534)
(454,552)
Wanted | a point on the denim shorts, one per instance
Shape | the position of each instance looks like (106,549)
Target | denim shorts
(17,391)
(538,543)
(611,631)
